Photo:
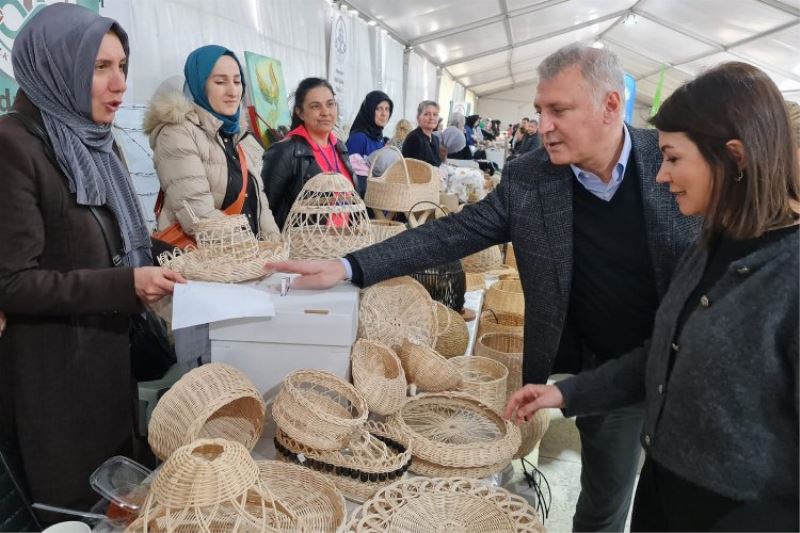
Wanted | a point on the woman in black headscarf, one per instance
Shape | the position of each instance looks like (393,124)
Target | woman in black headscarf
(366,133)
(75,259)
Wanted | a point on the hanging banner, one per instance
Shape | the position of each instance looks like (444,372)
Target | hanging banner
(630,97)
(14,14)
(339,52)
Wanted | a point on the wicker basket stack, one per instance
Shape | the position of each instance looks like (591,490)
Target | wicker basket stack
(501,322)
(505,296)
(484,378)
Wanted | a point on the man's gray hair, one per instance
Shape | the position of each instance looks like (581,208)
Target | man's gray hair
(600,68)
(456,119)
(426,103)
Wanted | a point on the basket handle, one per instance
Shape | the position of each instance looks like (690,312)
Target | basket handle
(496,320)
(442,208)
(385,149)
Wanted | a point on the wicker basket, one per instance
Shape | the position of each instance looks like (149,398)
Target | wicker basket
(452,335)
(505,348)
(511,258)
(427,369)
(213,400)
(483,261)
(505,295)
(454,429)
(405,183)
(532,431)
(421,467)
(319,409)
(378,376)
(395,310)
(423,505)
(211,486)
(484,378)
(501,322)
(385,229)
(327,220)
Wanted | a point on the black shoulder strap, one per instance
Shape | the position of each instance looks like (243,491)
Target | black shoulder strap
(35,129)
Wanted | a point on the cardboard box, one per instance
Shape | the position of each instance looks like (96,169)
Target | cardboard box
(310,329)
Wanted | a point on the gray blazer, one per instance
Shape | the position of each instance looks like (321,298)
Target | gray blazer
(727,417)
(532,208)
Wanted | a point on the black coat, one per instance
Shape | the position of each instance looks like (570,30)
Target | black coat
(418,146)
(288,165)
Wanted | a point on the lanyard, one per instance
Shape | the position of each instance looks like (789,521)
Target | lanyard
(325,157)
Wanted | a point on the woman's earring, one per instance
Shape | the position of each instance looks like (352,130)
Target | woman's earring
(740,176)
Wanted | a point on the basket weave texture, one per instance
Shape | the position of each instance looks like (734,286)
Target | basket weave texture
(488,259)
(505,348)
(452,335)
(384,229)
(211,486)
(327,220)
(505,295)
(532,431)
(213,400)
(500,322)
(404,184)
(484,378)
(427,369)
(511,258)
(319,409)
(395,310)
(443,505)
(378,375)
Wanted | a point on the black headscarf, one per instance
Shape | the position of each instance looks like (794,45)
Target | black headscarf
(365,119)
(472,120)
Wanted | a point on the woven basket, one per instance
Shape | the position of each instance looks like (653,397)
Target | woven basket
(531,432)
(454,429)
(211,486)
(213,400)
(505,295)
(452,335)
(378,376)
(405,183)
(501,322)
(477,280)
(483,261)
(427,369)
(443,505)
(505,348)
(421,467)
(315,500)
(385,229)
(511,258)
(395,310)
(327,220)
(318,409)
(483,378)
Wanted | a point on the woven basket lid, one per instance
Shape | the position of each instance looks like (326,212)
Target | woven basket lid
(395,310)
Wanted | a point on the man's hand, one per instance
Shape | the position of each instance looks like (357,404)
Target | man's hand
(313,274)
(153,283)
(524,403)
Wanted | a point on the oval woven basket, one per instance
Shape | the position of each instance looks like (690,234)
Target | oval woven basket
(444,505)
(210,486)
(319,409)
(505,348)
(484,378)
(532,431)
(315,500)
(427,369)
(213,400)
(421,467)
(385,229)
(395,310)
(452,335)
(405,183)
(454,429)
(505,295)
(501,322)
(488,259)
(378,375)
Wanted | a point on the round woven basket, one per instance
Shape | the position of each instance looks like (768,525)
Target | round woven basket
(319,409)
(427,369)
(505,295)
(478,280)
(443,505)
(532,431)
(484,378)
(378,375)
(452,335)
(211,486)
(505,348)
(501,322)
(395,310)
(315,500)
(454,429)
(405,183)
(489,259)
(384,229)
(213,400)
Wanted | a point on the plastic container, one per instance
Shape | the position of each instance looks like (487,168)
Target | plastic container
(123,483)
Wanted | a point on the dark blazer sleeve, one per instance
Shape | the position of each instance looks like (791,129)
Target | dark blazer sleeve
(476,227)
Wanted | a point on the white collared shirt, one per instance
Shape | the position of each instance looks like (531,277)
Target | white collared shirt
(592,183)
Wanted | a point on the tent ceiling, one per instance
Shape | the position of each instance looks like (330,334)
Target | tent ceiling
(493,46)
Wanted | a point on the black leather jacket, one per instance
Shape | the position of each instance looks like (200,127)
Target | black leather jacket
(288,165)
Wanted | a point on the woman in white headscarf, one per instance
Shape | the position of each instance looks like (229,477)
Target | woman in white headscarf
(453,138)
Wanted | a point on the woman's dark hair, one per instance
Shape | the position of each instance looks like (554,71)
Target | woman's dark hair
(300,96)
(738,101)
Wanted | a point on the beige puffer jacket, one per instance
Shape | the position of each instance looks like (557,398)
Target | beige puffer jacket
(191,165)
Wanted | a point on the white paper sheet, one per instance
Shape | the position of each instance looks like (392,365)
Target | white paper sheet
(200,302)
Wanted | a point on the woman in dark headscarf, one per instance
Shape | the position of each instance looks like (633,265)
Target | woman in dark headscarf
(366,133)
(74,256)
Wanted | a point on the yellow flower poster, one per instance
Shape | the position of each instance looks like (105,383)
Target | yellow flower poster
(267,92)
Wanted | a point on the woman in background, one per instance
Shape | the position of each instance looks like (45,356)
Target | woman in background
(453,139)
(421,143)
(401,131)
(366,133)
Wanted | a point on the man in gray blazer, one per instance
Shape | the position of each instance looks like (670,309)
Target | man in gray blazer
(596,241)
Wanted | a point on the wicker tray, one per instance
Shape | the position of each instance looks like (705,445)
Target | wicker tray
(378,375)
(483,378)
(319,409)
(452,335)
(506,296)
(213,400)
(421,467)
(454,429)
(427,369)
(505,348)
(501,322)
(395,310)
(440,505)
(403,185)
(315,500)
